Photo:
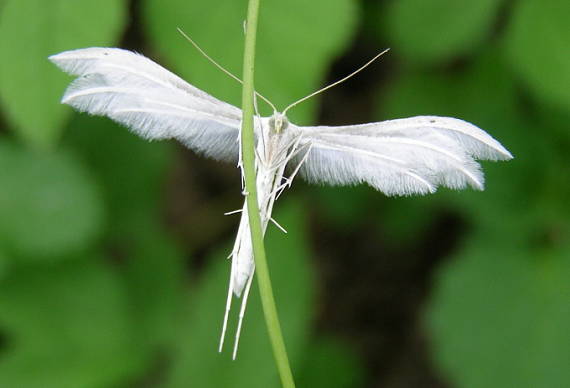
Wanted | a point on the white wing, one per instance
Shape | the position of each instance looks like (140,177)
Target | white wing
(151,101)
(400,157)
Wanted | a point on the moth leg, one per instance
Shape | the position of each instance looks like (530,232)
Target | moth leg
(233,255)
(242,313)
(278,225)
(308,147)
(289,180)
(233,212)
(293,144)
(240,161)
(283,159)
(227,312)
(260,158)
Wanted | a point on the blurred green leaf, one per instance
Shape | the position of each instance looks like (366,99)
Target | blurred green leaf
(406,219)
(420,93)
(67,326)
(30,31)
(483,91)
(4,263)
(344,206)
(538,47)
(496,321)
(293,52)
(49,205)
(500,315)
(557,118)
(438,30)
(132,171)
(329,363)
(154,275)
(198,362)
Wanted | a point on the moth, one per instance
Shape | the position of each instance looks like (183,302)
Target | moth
(397,157)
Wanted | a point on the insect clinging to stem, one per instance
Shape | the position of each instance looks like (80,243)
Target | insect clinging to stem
(397,157)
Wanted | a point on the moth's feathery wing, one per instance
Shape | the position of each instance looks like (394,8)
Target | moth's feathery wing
(400,157)
(151,101)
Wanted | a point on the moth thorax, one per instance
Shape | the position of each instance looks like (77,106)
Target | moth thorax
(278,122)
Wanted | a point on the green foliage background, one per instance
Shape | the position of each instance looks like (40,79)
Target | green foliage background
(112,270)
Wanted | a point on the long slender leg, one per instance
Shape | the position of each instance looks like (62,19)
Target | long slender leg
(259,157)
(242,313)
(283,160)
(300,164)
(226,314)
(293,150)
(230,287)
(240,162)
(289,180)
(278,225)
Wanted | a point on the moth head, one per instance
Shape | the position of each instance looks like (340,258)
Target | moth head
(278,122)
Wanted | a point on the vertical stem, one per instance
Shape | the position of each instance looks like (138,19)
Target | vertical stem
(248,152)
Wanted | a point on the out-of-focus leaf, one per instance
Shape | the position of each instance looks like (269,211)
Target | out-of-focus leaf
(154,276)
(538,47)
(30,31)
(198,362)
(495,318)
(402,218)
(49,204)
(479,92)
(344,206)
(132,172)
(3,265)
(406,218)
(557,120)
(500,315)
(551,212)
(67,326)
(328,363)
(130,169)
(437,30)
(421,93)
(296,41)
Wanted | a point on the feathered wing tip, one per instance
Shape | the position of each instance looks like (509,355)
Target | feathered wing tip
(401,157)
(148,99)
(77,62)
(110,61)
(478,143)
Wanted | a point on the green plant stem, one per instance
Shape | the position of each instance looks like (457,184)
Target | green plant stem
(248,152)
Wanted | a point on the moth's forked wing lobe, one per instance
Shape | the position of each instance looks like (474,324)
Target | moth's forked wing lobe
(148,99)
(400,157)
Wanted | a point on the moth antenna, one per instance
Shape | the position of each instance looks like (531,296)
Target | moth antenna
(337,82)
(242,314)
(255,107)
(260,129)
(227,72)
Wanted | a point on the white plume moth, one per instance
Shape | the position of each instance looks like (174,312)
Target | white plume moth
(397,157)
